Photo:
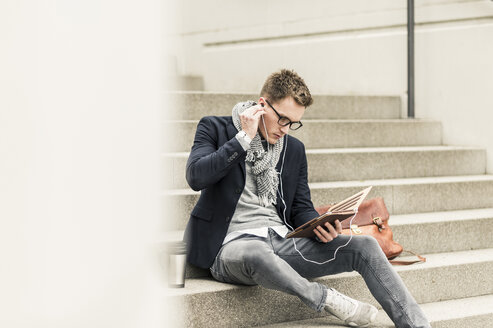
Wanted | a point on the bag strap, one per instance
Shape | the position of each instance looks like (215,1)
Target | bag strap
(420,259)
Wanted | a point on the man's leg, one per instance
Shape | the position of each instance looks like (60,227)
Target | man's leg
(364,255)
(250,260)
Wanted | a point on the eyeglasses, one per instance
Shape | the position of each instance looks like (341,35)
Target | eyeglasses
(283,120)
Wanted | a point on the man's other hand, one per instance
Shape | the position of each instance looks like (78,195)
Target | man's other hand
(328,233)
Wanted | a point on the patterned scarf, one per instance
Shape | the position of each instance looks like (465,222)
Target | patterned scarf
(264,162)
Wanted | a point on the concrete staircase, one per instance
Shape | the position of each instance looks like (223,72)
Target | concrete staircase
(440,199)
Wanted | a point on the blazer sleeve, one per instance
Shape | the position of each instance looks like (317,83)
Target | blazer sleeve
(208,162)
(302,209)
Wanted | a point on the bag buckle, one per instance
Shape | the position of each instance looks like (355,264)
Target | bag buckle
(355,229)
(378,221)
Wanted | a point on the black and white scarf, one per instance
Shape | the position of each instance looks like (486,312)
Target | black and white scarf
(264,162)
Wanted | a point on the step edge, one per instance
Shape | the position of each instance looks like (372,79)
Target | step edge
(209,285)
(366,183)
(363,150)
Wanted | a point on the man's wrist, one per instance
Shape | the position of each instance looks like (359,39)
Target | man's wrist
(243,139)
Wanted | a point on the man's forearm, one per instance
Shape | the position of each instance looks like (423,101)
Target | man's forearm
(206,164)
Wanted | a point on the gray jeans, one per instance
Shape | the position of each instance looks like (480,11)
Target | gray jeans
(274,263)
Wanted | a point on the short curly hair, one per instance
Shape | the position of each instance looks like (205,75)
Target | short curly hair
(284,83)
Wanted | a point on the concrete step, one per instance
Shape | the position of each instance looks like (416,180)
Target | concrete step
(179,135)
(471,312)
(431,232)
(342,164)
(208,303)
(411,195)
(421,233)
(195,105)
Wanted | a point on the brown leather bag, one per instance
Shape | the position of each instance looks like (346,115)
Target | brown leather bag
(372,219)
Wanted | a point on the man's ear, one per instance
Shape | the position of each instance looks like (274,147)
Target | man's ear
(261,101)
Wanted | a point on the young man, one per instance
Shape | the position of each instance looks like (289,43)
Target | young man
(253,178)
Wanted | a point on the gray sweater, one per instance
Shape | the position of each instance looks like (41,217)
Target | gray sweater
(249,213)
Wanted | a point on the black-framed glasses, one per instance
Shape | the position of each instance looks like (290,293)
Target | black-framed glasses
(283,120)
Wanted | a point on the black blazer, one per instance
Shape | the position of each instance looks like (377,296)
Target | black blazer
(216,166)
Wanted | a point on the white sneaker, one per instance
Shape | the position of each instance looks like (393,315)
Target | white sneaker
(354,313)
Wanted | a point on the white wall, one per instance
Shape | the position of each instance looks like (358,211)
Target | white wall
(455,83)
(352,47)
(79,163)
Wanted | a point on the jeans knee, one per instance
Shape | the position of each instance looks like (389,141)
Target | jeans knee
(371,243)
(367,246)
(255,257)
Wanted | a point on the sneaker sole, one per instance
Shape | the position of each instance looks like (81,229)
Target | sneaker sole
(372,318)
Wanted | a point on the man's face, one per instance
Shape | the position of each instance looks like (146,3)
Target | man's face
(286,107)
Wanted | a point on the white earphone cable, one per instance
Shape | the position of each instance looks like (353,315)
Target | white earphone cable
(281,194)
